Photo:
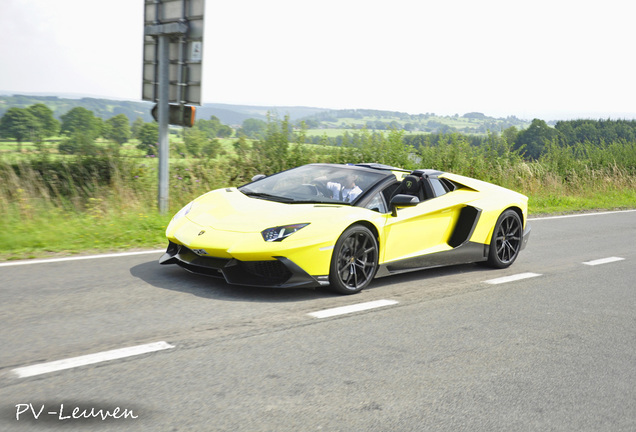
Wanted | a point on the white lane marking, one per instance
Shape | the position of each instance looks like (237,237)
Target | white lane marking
(78,258)
(512,278)
(581,215)
(603,261)
(69,363)
(352,308)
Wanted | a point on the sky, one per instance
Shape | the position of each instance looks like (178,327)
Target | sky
(548,59)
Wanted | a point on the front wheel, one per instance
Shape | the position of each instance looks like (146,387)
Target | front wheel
(506,240)
(354,260)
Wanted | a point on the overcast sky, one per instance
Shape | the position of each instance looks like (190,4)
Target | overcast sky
(551,59)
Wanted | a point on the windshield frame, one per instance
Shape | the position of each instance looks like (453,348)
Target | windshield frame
(311,184)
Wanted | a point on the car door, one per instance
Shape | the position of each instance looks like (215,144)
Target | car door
(421,230)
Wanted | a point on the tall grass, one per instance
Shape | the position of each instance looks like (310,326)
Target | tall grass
(564,179)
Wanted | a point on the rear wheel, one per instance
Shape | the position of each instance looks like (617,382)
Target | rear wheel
(506,240)
(354,260)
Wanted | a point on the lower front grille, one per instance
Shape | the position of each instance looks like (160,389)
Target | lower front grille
(266,269)
(207,271)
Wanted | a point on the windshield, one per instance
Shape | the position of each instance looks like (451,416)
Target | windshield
(316,184)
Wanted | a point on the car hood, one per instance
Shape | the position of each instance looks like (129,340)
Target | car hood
(230,210)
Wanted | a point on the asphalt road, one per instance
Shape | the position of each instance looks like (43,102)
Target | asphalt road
(551,348)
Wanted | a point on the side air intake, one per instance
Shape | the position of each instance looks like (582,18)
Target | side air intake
(465,226)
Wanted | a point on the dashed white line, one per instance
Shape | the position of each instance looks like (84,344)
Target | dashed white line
(512,278)
(603,261)
(352,308)
(69,363)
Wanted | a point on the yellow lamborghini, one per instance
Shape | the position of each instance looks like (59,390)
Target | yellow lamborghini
(342,225)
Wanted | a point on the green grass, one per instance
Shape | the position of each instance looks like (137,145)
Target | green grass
(558,204)
(60,233)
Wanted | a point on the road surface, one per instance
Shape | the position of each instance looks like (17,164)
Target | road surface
(547,344)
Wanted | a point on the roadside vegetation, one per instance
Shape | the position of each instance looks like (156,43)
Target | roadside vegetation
(82,184)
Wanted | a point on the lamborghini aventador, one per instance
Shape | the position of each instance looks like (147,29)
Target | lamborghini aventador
(341,226)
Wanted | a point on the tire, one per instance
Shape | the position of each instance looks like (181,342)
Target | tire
(354,261)
(506,240)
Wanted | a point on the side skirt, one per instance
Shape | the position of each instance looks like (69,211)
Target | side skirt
(468,252)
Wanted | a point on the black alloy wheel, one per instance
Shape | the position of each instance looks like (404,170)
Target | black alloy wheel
(354,260)
(506,240)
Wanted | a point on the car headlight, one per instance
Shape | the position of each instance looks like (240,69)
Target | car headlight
(184,211)
(281,232)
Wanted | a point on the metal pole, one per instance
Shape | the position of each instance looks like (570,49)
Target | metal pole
(163,109)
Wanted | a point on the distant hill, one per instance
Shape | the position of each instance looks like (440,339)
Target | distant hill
(107,108)
(318,119)
(469,123)
(235,114)
(103,108)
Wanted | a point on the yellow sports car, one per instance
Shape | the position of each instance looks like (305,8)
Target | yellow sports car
(342,225)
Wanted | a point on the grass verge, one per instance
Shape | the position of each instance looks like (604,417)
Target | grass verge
(60,233)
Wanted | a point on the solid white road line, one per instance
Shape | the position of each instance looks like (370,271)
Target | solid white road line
(77,258)
(352,308)
(42,368)
(603,261)
(512,278)
(580,215)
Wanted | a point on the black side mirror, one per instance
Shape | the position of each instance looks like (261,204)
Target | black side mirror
(403,200)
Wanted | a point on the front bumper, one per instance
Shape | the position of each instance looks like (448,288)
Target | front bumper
(526,236)
(278,273)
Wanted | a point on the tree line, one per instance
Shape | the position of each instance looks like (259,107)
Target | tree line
(79,129)
(535,141)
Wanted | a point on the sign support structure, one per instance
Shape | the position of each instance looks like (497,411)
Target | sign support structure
(164,143)
(172,71)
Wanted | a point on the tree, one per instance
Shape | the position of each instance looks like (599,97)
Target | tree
(47,125)
(224,131)
(253,128)
(535,138)
(213,128)
(136,127)
(148,137)
(210,127)
(18,123)
(212,149)
(118,129)
(510,135)
(194,140)
(81,120)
